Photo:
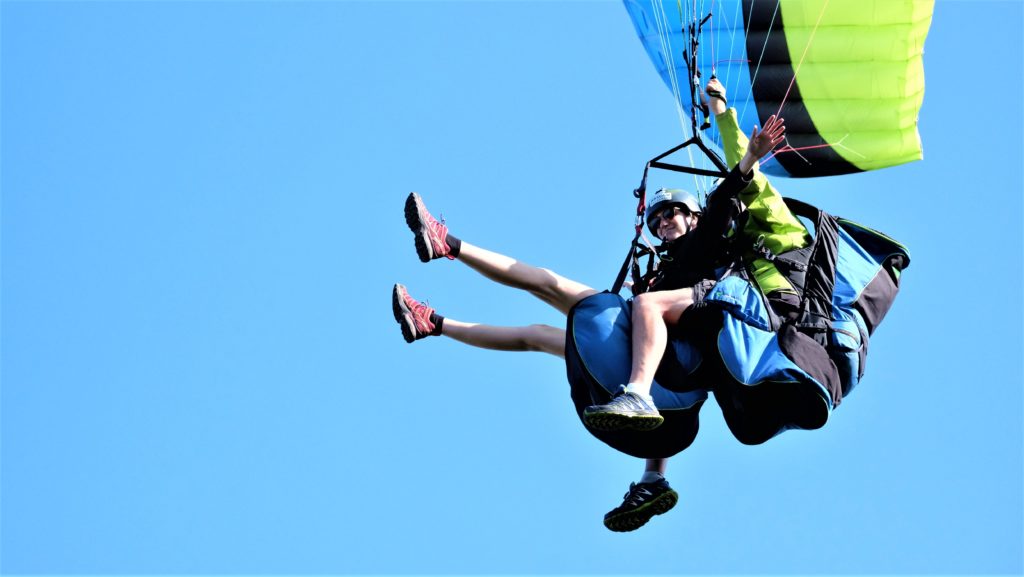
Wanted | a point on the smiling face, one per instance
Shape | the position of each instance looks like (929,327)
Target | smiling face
(673,222)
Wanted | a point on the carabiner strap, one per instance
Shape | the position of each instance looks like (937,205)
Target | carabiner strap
(631,258)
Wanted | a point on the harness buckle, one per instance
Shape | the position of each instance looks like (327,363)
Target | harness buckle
(763,251)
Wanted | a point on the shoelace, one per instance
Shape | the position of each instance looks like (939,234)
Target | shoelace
(438,230)
(438,234)
(420,311)
(632,496)
(629,492)
(630,401)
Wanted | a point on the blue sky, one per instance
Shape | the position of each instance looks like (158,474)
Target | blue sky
(201,224)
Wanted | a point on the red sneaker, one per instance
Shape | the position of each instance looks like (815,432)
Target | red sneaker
(413,315)
(430,234)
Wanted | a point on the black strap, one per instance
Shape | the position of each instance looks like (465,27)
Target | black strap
(640,193)
(722,171)
(718,95)
(621,278)
(693,75)
(820,282)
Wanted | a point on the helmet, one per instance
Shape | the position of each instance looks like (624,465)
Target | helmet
(665,198)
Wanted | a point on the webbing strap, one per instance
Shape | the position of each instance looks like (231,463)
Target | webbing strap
(635,249)
(820,282)
(694,30)
(722,171)
(621,278)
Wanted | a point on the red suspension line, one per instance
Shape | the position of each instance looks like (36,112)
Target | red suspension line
(789,148)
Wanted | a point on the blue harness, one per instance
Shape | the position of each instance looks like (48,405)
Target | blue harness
(766,376)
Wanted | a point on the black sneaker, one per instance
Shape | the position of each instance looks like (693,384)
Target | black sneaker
(643,501)
(625,411)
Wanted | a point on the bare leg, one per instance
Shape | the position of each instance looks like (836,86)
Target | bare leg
(656,466)
(542,338)
(653,313)
(634,409)
(433,241)
(554,289)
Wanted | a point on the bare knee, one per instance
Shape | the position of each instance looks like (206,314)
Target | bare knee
(558,291)
(665,305)
(547,286)
(647,304)
(545,339)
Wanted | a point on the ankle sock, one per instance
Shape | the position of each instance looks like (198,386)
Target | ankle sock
(438,321)
(651,477)
(454,244)
(633,388)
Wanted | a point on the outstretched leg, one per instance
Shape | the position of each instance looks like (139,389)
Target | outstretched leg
(651,496)
(554,289)
(434,241)
(542,338)
(418,321)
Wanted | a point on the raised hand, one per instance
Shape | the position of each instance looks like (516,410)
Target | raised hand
(764,141)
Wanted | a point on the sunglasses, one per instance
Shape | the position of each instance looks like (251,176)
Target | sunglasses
(666,215)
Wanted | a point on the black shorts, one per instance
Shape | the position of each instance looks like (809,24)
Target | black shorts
(701,290)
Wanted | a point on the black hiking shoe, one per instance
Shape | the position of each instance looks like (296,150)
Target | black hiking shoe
(641,502)
(625,411)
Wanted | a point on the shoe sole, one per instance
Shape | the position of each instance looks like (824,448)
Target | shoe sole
(633,520)
(414,211)
(617,422)
(402,313)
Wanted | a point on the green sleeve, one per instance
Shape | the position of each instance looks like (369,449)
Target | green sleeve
(734,144)
(768,215)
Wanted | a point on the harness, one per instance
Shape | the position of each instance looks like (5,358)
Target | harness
(810,270)
(636,249)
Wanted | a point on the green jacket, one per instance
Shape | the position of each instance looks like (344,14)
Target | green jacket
(768,216)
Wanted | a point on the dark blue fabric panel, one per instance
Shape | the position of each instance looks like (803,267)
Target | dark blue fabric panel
(597,360)
(750,352)
(856,267)
(602,332)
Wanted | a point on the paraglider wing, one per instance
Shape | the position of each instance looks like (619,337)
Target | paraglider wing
(847,76)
